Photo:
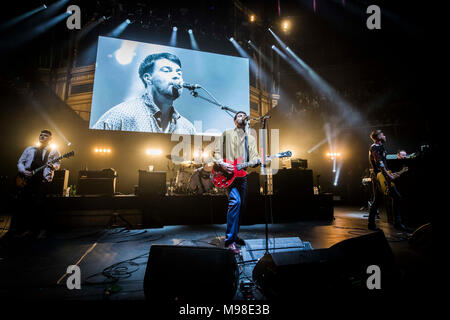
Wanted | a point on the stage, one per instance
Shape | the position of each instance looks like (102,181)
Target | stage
(158,211)
(30,269)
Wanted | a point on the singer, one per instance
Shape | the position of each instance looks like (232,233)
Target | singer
(162,77)
(234,144)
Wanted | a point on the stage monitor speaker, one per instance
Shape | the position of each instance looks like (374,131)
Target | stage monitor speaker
(59,182)
(152,183)
(100,182)
(284,275)
(183,273)
(293,182)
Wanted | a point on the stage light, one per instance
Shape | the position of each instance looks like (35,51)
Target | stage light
(194,44)
(205,154)
(154,152)
(102,150)
(196,154)
(173,37)
(286,25)
(231,39)
(53,146)
(252,18)
(69,144)
(38,144)
(333,155)
(119,29)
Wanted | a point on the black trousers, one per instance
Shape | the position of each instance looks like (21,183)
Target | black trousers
(33,212)
(392,206)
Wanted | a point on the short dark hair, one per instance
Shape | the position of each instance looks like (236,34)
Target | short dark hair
(47,132)
(148,63)
(374,134)
(235,116)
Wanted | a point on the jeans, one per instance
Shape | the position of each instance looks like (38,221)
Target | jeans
(393,207)
(236,206)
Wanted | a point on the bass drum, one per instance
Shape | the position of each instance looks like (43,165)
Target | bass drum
(200,182)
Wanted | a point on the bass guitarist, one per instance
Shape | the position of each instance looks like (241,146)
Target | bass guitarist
(34,215)
(234,144)
(377,160)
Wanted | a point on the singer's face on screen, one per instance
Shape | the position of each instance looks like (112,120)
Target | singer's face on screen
(165,75)
(241,119)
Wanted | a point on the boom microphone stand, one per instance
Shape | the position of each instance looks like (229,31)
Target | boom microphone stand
(268,190)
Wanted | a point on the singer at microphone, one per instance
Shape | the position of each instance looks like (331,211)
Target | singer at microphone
(191,86)
(154,111)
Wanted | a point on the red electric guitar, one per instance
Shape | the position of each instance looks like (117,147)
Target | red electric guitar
(223,179)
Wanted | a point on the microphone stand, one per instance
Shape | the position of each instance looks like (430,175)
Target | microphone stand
(263,121)
(267,192)
(213,101)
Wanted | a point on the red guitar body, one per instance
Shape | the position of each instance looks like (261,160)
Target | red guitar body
(221,178)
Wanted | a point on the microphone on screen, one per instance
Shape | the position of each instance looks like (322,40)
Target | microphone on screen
(190,86)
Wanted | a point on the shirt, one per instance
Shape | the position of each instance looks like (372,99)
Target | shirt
(27,157)
(234,146)
(142,114)
(377,157)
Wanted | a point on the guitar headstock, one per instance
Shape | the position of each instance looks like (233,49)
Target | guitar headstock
(68,154)
(284,154)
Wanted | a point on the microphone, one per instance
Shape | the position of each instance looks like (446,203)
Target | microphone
(190,86)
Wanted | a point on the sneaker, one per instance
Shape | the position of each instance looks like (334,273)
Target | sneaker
(233,248)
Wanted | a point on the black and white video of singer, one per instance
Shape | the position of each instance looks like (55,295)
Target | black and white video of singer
(162,76)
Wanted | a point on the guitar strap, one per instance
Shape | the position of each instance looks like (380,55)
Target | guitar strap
(246,148)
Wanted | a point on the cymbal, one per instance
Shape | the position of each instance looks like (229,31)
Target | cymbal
(174,158)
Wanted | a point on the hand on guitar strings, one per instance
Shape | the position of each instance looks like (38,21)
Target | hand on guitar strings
(227,167)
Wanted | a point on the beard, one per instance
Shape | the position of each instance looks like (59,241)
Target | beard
(176,92)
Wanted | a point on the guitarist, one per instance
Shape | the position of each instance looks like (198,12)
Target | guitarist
(35,190)
(377,160)
(233,144)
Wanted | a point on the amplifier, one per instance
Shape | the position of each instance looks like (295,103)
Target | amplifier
(299,163)
(59,183)
(100,182)
(152,183)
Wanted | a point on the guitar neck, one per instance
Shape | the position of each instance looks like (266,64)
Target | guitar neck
(45,165)
(245,165)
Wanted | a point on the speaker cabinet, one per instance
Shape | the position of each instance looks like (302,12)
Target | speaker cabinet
(293,182)
(152,183)
(59,183)
(343,266)
(190,273)
(101,182)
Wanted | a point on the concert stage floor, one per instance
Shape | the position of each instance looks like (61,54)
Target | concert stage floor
(30,269)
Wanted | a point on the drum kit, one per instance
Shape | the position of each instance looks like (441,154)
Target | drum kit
(191,178)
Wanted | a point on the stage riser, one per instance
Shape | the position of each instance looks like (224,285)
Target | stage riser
(183,210)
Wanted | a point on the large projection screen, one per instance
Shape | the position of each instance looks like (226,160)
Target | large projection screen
(122,102)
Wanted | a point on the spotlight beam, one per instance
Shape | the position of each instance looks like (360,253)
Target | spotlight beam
(36,31)
(194,43)
(243,53)
(119,29)
(20,18)
(173,37)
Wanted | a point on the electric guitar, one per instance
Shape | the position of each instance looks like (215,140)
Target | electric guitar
(385,184)
(222,179)
(22,180)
